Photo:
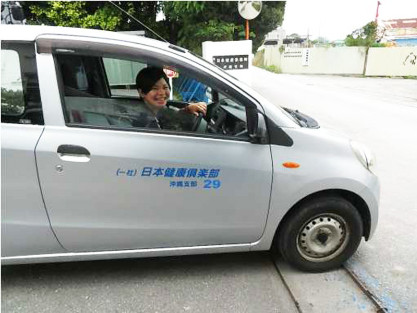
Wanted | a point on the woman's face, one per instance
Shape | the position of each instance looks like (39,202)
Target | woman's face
(159,94)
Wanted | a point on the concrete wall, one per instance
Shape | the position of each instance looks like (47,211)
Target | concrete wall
(341,60)
(394,61)
(272,56)
(241,48)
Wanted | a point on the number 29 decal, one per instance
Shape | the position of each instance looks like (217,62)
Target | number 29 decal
(208,184)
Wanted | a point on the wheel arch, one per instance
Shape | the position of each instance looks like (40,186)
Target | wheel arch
(353,198)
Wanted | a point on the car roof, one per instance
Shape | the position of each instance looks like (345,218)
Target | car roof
(31,32)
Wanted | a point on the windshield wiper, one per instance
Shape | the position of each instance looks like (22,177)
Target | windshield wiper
(302,119)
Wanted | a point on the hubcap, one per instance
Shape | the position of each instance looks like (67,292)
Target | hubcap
(323,237)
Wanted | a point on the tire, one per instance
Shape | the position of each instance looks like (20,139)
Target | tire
(321,234)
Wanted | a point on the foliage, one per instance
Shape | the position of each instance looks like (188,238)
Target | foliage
(12,102)
(272,68)
(74,14)
(258,59)
(380,45)
(186,23)
(217,20)
(365,36)
(213,30)
(92,14)
(176,9)
(320,41)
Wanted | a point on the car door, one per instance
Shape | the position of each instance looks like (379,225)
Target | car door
(25,228)
(111,187)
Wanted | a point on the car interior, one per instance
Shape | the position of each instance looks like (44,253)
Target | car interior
(101,92)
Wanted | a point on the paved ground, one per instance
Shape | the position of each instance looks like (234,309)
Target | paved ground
(382,113)
(247,282)
(212,283)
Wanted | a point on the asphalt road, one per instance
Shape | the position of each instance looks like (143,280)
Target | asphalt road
(382,113)
(208,283)
(243,282)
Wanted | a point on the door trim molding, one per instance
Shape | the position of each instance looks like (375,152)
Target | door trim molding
(122,254)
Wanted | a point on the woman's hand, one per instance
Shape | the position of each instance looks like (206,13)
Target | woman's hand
(196,108)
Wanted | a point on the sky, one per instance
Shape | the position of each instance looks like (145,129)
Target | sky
(335,19)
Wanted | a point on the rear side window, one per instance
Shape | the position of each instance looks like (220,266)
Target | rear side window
(20,97)
(82,76)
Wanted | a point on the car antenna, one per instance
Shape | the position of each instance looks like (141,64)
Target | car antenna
(135,19)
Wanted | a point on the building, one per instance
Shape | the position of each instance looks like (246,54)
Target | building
(401,31)
(273,38)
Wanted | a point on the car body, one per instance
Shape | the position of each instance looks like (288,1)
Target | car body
(81,182)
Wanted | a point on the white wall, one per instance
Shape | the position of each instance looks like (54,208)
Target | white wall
(272,56)
(228,48)
(340,60)
(394,61)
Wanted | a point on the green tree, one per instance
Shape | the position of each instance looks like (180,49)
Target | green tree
(73,14)
(92,14)
(218,20)
(192,23)
(365,36)
(187,23)
(12,101)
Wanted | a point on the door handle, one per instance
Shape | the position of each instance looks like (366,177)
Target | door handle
(73,153)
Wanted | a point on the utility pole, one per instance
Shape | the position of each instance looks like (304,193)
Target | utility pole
(249,10)
(377,10)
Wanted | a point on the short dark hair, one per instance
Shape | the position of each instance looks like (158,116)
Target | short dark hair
(148,77)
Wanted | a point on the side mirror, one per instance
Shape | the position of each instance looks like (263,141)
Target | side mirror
(256,126)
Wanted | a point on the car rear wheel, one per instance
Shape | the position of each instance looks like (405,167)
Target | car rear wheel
(321,234)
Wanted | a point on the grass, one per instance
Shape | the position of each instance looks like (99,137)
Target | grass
(272,68)
(258,61)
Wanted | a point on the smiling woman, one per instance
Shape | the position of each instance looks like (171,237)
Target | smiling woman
(153,87)
(154,90)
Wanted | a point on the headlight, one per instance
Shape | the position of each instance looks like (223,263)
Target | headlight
(364,155)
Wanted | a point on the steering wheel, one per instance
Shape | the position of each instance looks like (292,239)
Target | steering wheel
(197,121)
(212,108)
(215,118)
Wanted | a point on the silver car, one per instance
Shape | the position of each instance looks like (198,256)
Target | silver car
(82,180)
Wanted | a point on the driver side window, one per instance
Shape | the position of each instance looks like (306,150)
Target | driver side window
(102,91)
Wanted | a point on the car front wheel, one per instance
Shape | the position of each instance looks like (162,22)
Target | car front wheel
(321,234)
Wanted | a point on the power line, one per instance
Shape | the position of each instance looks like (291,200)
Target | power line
(135,19)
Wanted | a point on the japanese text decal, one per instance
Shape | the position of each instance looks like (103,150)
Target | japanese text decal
(178,177)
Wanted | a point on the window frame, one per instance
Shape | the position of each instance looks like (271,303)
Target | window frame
(137,53)
(28,68)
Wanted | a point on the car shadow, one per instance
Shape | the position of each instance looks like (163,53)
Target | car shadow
(238,282)
(143,268)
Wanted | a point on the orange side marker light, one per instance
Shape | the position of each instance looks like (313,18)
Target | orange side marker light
(291,165)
